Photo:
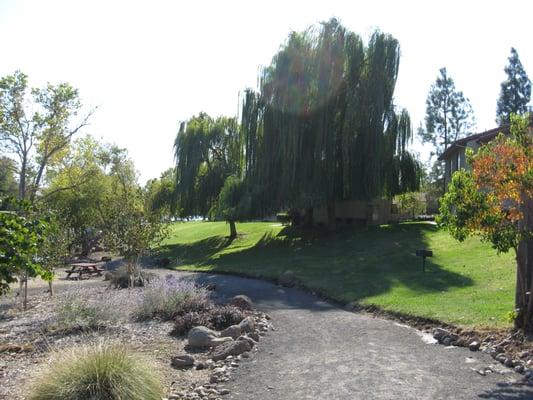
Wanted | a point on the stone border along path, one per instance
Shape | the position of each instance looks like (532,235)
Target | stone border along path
(320,352)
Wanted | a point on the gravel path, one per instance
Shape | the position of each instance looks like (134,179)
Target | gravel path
(322,352)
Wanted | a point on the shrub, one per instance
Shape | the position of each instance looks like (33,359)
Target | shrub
(169,297)
(222,317)
(101,372)
(75,312)
(184,323)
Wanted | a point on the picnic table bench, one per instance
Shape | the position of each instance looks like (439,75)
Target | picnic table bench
(84,269)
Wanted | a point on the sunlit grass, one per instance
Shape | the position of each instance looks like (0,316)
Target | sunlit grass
(465,283)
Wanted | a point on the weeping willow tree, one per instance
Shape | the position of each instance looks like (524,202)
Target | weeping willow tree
(207,151)
(322,127)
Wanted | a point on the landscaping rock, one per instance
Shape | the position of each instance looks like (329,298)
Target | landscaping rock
(288,279)
(203,337)
(440,334)
(233,331)
(233,348)
(182,361)
(247,339)
(241,301)
(247,324)
(519,368)
(474,345)
(254,335)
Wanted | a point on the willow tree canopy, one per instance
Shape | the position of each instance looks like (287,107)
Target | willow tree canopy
(323,127)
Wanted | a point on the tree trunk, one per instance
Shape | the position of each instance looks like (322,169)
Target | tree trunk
(232,230)
(332,222)
(25,302)
(22,179)
(524,273)
(308,217)
(51,288)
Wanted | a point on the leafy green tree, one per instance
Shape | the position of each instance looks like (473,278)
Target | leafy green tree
(8,183)
(131,228)
(495,200)
(37,131)
(515,91)
(21,235)
(233,203)
(410,203)
(323,127)
(207,151)
(449,115)
(161,194)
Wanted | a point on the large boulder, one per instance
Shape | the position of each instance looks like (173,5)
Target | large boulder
(233,348)
(203,337)
(241,301)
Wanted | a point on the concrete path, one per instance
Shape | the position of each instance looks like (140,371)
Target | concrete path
(321,352)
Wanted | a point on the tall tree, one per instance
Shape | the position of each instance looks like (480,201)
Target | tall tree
(38,133)
(449,115)
(515,91)
(320,129)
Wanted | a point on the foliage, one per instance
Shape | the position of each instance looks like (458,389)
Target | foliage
(515,91)
(449,114)
(104,371)
(495,200)
(74,312)
(217,317)
(8,183)
(37,132)
(410,204)
(21,235)
(323,127)
(207,151)
(233,202)
(161,194)
(166,298)
(466,283)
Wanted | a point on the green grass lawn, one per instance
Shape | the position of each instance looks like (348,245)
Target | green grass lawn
(465,284)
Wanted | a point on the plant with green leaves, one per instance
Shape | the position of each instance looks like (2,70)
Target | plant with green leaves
(21,237)
(233,203)
(495,200)
(410,204)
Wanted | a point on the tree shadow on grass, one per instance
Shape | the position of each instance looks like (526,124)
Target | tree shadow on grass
(350,264)
(196,253)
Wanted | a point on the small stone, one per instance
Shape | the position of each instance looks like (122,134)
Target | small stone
(223,392)
(500,357)
(254,336)
(202,337)
(519,368)
(200,366)
(440,334)
(241,301)
(245,355)
(508,362)
(474,346)
(182,361)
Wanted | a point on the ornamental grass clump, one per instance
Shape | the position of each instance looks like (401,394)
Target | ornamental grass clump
(169,297)
(105,371)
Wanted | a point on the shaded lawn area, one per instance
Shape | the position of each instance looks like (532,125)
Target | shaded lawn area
(464,284)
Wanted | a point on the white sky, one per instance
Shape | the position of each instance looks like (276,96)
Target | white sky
(150,64)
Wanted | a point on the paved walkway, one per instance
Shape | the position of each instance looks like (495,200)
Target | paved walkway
(321,352)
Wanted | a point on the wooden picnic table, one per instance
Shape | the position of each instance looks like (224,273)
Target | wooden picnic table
(84,269)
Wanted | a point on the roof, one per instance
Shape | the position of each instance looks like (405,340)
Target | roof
(482,137)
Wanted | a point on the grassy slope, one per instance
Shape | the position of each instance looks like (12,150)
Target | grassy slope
(465,283)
